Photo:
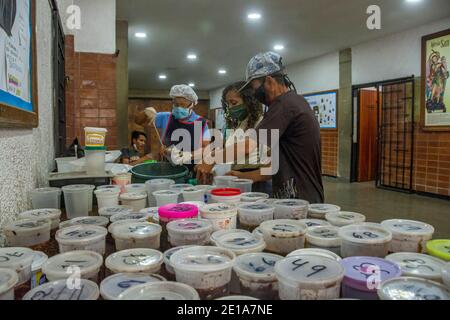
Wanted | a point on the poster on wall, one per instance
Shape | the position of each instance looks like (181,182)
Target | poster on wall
(17,62)
(324,105)
(435,104)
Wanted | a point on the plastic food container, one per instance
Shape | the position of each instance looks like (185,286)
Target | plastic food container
(109,187)
(226,195)
(111,211)
(122,180)
(256,273)
(95,160)
(92,221)
(319,210)
(365,239)
(27,232)
(309,277)
(82,237)
(156,185)
(80,263)
(59,290)
(160,291)
(253,196)
(364,275)
(418,265)
(136,188)
(291,209)
(140,260)
(193,194)
(315,252)
(19,260)
(245,185)
(408,235)
(344,218)
(130,235)
(53,214)
(113,286)
(94,137)
(221,215)
(239,241)
(224,181)
(208,189)
(446,274)
(311,223)
(410,288)
(135,200)
(283,236)
(8,280)
(257,232)
(324,237)
(165,197)
(43,198)
(107,197)
(269,201)
(76,199)
(207,269)
(252,215)
(167,255)
(189,232)
(179,188)
(64,165)
(137,217)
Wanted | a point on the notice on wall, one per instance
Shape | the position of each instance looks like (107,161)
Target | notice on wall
(324,105)
(15,54)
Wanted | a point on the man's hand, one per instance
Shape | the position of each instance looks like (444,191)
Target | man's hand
(151,114)
(204,173)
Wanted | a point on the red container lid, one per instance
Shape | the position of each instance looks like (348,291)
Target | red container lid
(226,192)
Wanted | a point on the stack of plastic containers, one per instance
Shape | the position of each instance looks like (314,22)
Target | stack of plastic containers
(95,150)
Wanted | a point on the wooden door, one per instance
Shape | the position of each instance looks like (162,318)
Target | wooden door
(367,135)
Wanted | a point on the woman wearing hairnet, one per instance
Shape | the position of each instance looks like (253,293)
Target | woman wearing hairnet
(182,117)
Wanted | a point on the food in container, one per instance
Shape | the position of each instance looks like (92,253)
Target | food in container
(141,217)
(28,232)
(140,260)
(283,236)
(59,290)
(82,237)
(324,237)
(238,241)
(110,211)
(165,197)
(291,209)
(418,265)
(113,286)
(344,218)
(135,200)
(226,195)
(311,223)
(408,235)
(189,232)
(252,215)
(129,235)
(316,252)
(136,188)
(107,197)
(193,194)
(410,288)
(53,214)
(91,221)
(253,196)
(19,260)
(320,210)
(221,215)
(167,255)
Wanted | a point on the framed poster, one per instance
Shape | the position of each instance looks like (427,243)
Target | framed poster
(324,105)
(435,89)
(18,81)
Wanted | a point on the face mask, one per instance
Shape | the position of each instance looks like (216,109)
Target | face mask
(260,94)
(180,112)
(239,113)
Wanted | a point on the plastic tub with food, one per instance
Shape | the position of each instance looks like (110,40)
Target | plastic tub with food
(283,236)
(8,280)
(59,290)
(113,286)
(344,218)
(131,235)
(140,260)
(165,197)
(27,232)
(251,215)
(410,288)
(320,210)
(315,252)
(111,211)
(160,291)
(311,223)
(221,215)
(138,217)
(408,235)
(291,209)
(253,196)
(53,214)
(324,237)
(167,255)
(90,221)
(226,195)
(418,265)
(107,197)
(82,237)
(135,200)
(189,232)
(193,194)
(17,259)
(238,241)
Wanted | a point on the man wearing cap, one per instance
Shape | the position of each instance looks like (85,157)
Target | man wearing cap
(299,172)
(182,116)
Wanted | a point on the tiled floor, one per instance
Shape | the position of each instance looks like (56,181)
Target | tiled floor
(378,204)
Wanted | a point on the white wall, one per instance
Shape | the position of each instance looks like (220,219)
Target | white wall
(391,57)
(26,156)
(98,25)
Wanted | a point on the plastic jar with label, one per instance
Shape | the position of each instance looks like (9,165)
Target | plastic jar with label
(283,236)
(28,232)
(136,200)
(410,288)
(439,249)
(19,260)
(344,218)
(113,286)
(365,239)
(363,276)
(253,196)
(138,260)
(160,291)
(131,235)
(238,241)
(8,280)
(324,237)
(418,265)
(320,210)
(189,232)
(226,195)
(53,214)
(37,277)
(251,215)
(315,252)
(408,235)
(207,269)
(82,237)
(223,216)
(309,277)
(291,209)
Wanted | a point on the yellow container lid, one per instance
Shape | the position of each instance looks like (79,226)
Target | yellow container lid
(439,249)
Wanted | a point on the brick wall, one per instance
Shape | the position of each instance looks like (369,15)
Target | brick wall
(90,94)
(329,140)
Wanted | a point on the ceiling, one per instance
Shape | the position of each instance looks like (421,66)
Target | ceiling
(219,32)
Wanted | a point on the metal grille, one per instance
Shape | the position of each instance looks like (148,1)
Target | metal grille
(396,135)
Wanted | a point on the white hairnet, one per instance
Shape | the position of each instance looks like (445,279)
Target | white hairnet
(184,91)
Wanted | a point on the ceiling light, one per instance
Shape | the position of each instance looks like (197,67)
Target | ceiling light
(191,84)
(413,1)
(278,47)
(222,71)
(162,76)
(192,56)
(140,35)
(254,16)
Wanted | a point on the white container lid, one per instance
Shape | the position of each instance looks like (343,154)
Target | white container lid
(316,252)
(410,288)
(52,214)
(166,193)
(29,226)
(192,190)
(134,260)
(129,216)
(160,291)
(408,227)
(168,253)
(218,209)
(283,228)
(310,223)
(89,220)
(180,186)
(159,181)
(309,269)
(190,226)
(293,203)
(343,218)
(13,257)
(135,230)
(8,280)
(239,241)
(255,207)
(203,259)
(38,261)
(107,192)
(58,290)
(418,265)
(323,208)
(365,233)
(242,181)
(110,211)
(133,196)
(253,196)
(77,188)
(323,236)
(269,201)
(112,286)
(109,187)
(237,298)
(46,190)
(80,234)
(87,261)
(257,266)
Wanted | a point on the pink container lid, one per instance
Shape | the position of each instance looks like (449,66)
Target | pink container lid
(178,211)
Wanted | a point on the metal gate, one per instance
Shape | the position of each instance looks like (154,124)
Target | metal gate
(396,135)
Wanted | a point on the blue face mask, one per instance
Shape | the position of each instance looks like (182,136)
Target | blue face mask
(180,112)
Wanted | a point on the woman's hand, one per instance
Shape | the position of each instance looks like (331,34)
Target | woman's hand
(204,173)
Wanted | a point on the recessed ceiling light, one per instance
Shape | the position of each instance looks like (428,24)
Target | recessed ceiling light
(162,76)
(413,1)
(192,56)
(254,16)
(278,47)
(140,35)
(222,71)
(191,84)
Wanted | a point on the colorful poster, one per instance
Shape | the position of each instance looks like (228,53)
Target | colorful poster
(437,83)
(324,106)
